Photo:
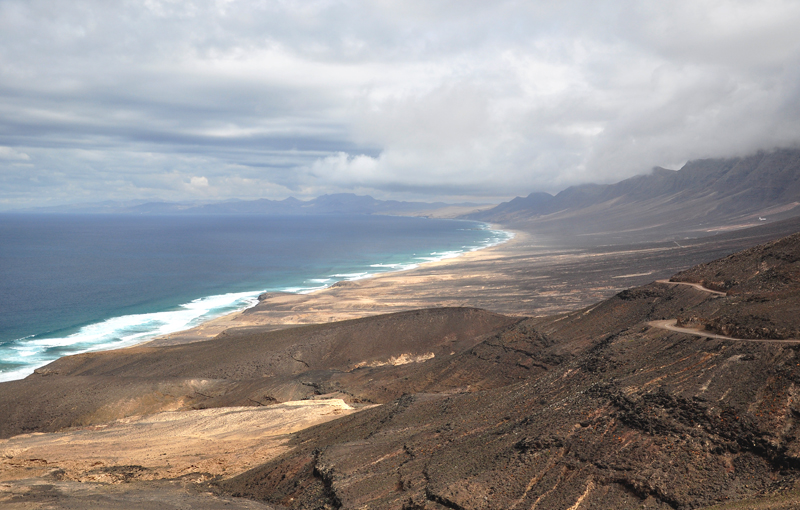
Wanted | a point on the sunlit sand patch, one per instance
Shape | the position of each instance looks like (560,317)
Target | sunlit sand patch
(402,359)
(199,444)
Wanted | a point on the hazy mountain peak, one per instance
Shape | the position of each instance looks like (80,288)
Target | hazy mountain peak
(702,195)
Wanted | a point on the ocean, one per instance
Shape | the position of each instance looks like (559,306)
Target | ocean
(78,283)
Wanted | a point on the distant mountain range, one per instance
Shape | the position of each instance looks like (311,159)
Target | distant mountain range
(705,195)
(340,203)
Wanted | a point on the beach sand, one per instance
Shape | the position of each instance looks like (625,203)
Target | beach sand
(522,277)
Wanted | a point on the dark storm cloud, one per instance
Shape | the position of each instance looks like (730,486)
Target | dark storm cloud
(228,98)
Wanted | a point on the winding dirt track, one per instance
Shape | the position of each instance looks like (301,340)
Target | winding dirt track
(695,285)
(671,324)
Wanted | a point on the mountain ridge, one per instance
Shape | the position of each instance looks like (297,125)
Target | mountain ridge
(703,195)
(337,203)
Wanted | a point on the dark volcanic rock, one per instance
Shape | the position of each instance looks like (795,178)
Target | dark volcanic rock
(766,269)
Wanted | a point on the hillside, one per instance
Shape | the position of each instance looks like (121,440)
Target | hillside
(241,367)
(700,197)
(601,408)
(754,280)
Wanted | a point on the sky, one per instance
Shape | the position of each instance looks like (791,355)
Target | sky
(410,100)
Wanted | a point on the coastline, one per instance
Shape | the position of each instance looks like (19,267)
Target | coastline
(351,299)
(137,327)
(524,277)
(233,416)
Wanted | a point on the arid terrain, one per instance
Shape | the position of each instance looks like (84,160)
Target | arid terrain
(524,277)
(525,376)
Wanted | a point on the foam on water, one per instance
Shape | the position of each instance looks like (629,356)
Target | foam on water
(30,353)
(20,357)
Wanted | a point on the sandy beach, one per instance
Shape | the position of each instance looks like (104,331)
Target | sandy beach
(457,281)
(526,276)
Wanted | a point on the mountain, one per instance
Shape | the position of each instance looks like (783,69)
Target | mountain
(700,197)
(339,203)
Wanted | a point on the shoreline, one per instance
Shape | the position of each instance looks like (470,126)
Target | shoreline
(493,235)
(524,277)
(240,318)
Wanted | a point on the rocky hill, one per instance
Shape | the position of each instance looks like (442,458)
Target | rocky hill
(702,195)
(241,367)
(598,409)
(754,280)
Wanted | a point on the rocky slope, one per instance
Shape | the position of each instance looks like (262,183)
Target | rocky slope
(242,367)
(763,284)
(598,410)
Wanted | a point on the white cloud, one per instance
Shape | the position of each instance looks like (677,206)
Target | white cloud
(199,182)
(396,98)
(10,153)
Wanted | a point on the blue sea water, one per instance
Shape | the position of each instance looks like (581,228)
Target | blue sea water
(72,283)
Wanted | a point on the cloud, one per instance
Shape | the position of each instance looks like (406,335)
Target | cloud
(404,99)
(199,182)
(9,153)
